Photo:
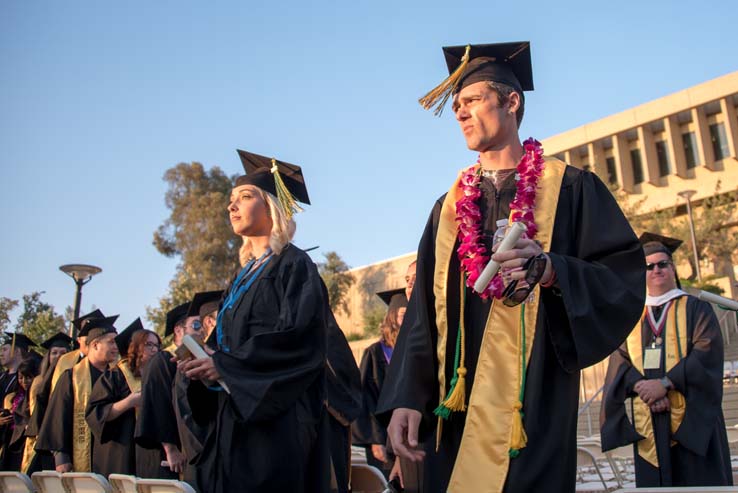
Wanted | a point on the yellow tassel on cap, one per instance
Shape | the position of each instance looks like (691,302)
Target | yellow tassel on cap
(518,438)
(286,200)
(438,96)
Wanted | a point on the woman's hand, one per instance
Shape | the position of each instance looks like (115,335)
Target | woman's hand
(200,369)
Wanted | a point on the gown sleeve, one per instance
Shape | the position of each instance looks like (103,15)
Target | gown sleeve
(616,430)
(156,421)
(269,371)
(601,275)
(55,434)
(699,377)
(367,430)
(110,388)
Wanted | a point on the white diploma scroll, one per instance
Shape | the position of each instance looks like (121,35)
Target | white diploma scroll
(198,352)
(718,300)
(508,242)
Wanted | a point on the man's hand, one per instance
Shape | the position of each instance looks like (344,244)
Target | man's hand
(396,472)
(175,458)
(512,261)
(650,391)
(661,406)
(6,420)
(62,468)
(379,452)
(134,399)
(200,369)
(403,433)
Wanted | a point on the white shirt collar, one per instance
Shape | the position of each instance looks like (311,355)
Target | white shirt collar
(661,299)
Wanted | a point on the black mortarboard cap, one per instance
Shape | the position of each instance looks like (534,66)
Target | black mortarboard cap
(654,243)
(175,315)
(91,322)
(387,296)
(60,339)
(204,303)
(259,173)
(123,340)
(79,322)
(17,340)
(504,63)
(98,327)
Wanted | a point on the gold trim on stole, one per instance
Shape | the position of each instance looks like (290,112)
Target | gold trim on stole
(133,382)
(483,461)
(171,349)
(81,435)
(641,411)
(64,363)
(29,452)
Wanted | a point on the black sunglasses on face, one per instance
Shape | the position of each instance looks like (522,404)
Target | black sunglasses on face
(661,264)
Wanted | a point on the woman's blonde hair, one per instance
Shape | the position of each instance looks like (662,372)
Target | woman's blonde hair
(283,229)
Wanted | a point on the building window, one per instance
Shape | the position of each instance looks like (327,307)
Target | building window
(612,172)
(719,141)
(662,153)
(690,149)
(635,160)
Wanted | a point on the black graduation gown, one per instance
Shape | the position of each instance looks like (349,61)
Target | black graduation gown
(41,460)
(8,384)
(701,456)
(13,437)
(192,435)
(271,433)
(156,422)
(56,434)
(601,275)
(343,400)
(113,438)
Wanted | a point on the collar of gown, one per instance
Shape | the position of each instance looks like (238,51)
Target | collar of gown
(663,298)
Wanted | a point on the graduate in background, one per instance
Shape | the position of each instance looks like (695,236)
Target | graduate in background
(11,356)
(156,426)
(68,435)
(271,429)
(38,398)
(367,431)
(489,379)
(671,371)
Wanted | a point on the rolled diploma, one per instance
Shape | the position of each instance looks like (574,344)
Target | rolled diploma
(198,352)
(718,300)
(508,242)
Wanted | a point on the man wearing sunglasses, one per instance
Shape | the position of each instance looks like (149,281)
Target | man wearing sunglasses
(156,426)
(490,383)
(671,367)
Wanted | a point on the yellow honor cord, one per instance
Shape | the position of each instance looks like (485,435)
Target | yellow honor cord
(438,96)
(286,200)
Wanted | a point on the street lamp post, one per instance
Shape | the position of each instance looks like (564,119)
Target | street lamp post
(687,195)
(82,274)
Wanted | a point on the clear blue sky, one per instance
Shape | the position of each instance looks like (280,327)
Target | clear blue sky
(98,99)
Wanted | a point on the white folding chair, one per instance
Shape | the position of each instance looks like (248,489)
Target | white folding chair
(123,483)
(85,482)
(48,482)
(163,486)
(367,479)
(15,482)
(589,472)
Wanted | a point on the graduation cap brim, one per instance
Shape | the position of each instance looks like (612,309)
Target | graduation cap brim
(654,243)
(258,173)
(97,322)
(386,296)
(123,340)
(78,322)
(505,63)
(175,315)
(59,339)
(18,340)
(207,300)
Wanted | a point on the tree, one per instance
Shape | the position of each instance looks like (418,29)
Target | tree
(338,280)
(197,232)
(6,306)
(38,320)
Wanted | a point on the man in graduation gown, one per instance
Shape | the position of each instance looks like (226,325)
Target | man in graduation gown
(67,435)
(671,370)
(503,376)
(156,427)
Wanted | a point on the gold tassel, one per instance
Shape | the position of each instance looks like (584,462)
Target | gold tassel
(456,400)
(286,200)
(518,438)
(438,96)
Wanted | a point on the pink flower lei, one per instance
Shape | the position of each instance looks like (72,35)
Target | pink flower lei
(471,251)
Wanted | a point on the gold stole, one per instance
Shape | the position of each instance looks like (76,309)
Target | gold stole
(675,345)
(28,450)
(64,363)
(482,461)
(171,349)
(81,435)
(134,383)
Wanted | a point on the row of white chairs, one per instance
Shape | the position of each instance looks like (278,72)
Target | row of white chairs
(86,482)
